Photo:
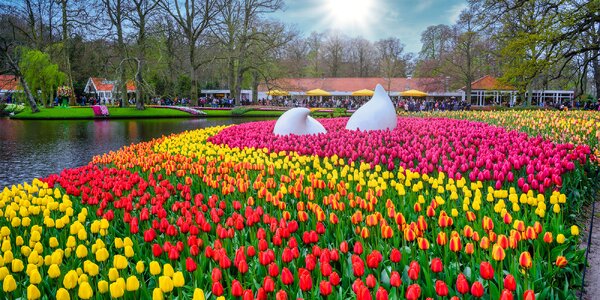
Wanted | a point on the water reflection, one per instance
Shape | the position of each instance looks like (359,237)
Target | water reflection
(31,149)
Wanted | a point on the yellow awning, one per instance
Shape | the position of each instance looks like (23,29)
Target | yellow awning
(413,93)
(277,93)
(363,92)
(318,92)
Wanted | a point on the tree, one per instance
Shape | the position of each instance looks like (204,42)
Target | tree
(193,18)
(40,73)
(315,44)
(115,9)
(436,42)
(393,62)
(237,28)
(362,54)
(139,15)
(334,53)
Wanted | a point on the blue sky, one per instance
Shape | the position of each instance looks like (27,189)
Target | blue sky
(371,19)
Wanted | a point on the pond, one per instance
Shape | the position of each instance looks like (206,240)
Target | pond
(31,148)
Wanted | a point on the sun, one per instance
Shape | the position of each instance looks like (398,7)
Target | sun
(349,12)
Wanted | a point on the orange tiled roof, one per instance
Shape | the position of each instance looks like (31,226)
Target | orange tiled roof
(489,83)
(9,83)
(102,85)
(428,85)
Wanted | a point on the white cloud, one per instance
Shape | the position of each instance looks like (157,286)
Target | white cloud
(423,5)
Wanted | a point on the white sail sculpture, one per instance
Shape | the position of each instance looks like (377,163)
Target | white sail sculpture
(297,121)
(378,113)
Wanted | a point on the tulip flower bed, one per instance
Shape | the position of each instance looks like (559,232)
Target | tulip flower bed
(234,212)
(576,127)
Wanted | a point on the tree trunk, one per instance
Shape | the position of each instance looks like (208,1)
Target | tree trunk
(194,82)
(140,95)
(32,103)
(255,83)
(66,50)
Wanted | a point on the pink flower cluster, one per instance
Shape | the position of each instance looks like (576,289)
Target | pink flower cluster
(456,147)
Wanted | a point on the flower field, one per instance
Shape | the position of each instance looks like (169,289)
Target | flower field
(435,208)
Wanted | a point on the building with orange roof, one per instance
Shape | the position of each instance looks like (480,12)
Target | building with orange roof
(488,90)
(105,89)
(9,84)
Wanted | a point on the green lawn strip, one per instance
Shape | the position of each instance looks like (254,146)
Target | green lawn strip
(87,113)
(56,113)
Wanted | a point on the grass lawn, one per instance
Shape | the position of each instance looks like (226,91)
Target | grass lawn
(131,113)
(87,113)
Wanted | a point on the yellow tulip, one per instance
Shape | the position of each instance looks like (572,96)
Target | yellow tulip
(127,242)
(3,273)
(154,268)
(574,230)
(118,243)
(8,257)
(92,269)
(120,262)
(33,292)
(178,280)
(168,270)
(82,278)
(113,274)
(102,255)
(81,251)
(17,266)
(116,290)
(157,294)
(139,267)
(82,235)
(35,277)
(198,294)
(165,283)
(54,271)
(9,284)
(103,286)
(129,251)
(85,291)
(132,284)
(560,238)
(62,294)
(70,280)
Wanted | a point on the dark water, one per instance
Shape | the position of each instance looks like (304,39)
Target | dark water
(30,149)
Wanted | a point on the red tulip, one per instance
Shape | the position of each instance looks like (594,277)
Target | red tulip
(462,285)
(358,266)
(156,250)
(381,294)
(344,247)
(441,289)
(216,275)
(325,288)
(395,255)
(217,289)
(510,283)
(334,279)
(358,248)
(248,295)
(395,279)
(529,295)
(236,288)
(371,281)
(281,295)
(190,265)
(413,292)
(373,259)
(436,265)
(477,289)
(286,276)
(506,295)
(486,270)
(305,282)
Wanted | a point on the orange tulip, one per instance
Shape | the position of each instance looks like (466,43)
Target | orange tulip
(525,260)
(498,253)
(561,261)
(455,244)
(442,239)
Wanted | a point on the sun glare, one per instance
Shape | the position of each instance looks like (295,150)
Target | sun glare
(349,12)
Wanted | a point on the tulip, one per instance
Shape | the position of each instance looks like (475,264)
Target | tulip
(395,255)
(371,281)
(486,271)
(325,288)
(198,294)
(281,295)
(506,295)
(381,294)
(305,282)
(116,290)
(9,284)
(165,283)
(70,280)
(157,294)
(286,276)
(498,253)
(462,285)
(510,283)
(525,260)
(441,289)
(436,265)
(477,289)
(61,294)
(217,289)
(529,295)
(395,279)
(561,261)
(413,292)
(85,291)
